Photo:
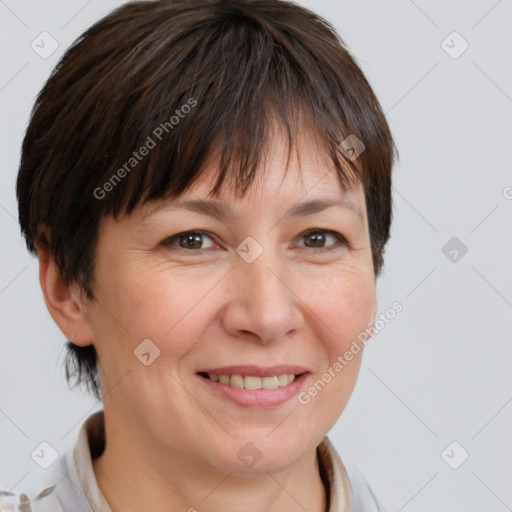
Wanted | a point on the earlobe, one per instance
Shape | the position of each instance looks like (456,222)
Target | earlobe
(63,301)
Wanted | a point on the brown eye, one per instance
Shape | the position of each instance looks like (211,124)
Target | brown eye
(188,240)
(318,238)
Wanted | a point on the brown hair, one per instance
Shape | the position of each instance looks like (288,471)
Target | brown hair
(182,78)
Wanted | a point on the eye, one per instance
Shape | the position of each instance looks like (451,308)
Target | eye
(318,237)
(193,240)
(188,240)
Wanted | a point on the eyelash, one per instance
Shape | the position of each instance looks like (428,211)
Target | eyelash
(314,231)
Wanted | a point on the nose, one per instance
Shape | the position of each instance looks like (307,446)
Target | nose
(262,302)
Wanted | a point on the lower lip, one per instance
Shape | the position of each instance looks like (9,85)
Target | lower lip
(259,398)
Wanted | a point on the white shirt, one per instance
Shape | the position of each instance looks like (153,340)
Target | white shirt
(70,484)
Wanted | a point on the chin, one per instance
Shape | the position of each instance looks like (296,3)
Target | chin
(262,451)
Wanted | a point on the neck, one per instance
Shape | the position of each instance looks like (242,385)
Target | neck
(135,475)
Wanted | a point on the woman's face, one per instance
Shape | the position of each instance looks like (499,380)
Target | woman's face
(254,291)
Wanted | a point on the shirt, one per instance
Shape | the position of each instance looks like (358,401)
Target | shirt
(70,484)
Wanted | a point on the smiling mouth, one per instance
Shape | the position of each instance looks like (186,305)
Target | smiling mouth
(251,382)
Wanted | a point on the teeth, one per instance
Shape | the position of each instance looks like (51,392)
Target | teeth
(236,381)
(251,382)
(282,379)
(270,382)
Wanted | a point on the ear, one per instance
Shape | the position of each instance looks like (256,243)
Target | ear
(65,302)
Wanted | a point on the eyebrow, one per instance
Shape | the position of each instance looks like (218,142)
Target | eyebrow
(223,211)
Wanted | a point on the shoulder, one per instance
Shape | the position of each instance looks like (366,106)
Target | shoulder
(44,501)
(55,490)
(363,495)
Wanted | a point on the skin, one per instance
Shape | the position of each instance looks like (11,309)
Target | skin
(172,443)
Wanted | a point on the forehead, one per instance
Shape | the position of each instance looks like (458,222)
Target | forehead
(316,191)
(306,183)
(310,167)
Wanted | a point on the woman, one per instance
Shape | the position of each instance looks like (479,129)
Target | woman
(207,186)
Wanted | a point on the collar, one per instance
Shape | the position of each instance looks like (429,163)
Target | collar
(90,445)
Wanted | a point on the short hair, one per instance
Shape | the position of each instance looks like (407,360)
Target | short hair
(187,79)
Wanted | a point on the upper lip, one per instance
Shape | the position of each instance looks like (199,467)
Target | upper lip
(257,371)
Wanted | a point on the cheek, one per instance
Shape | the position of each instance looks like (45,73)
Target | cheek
(163,307)
(346,308)
(343,309)
(343,305)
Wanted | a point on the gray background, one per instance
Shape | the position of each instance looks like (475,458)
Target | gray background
(440,371)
